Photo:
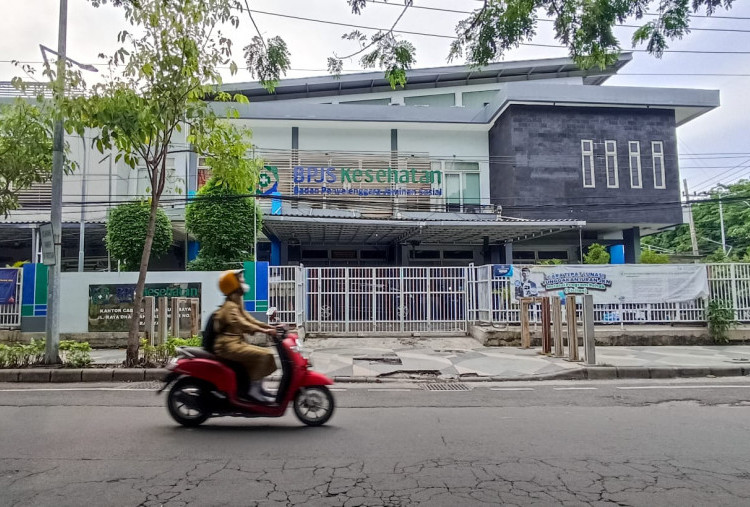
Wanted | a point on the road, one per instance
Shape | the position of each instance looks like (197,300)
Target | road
(535,443)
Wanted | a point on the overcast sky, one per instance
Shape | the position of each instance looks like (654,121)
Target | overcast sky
(28,23)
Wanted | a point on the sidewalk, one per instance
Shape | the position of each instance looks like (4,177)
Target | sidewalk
(375,359)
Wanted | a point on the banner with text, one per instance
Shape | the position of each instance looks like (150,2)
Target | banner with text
(8,282)
(641,283)
(110,306)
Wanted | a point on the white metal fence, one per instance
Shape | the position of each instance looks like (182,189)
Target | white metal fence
(10,314)
(445,299)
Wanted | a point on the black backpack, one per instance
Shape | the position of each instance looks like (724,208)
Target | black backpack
(209,334)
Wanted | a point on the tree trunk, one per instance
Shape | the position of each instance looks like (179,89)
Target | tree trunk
(134,334)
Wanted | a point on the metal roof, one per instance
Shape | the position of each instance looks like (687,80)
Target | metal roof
(434,77)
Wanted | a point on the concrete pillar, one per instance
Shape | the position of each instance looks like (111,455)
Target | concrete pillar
(589,348)
(163,321)
(546,321)
(557,334)
(570,308)
(176,305)
(506,253)
(149,318)
(632,239)
(195,317)
(525,331)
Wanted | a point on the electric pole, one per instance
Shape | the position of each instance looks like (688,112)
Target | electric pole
(693,237)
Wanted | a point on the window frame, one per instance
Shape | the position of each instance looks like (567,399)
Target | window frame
(449,169)
(590,154)
(659,156)
(631,154)
(613,155)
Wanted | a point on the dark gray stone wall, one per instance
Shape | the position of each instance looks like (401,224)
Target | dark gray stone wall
(535,164)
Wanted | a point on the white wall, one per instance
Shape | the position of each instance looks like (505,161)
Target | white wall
(75,289)
(345,138)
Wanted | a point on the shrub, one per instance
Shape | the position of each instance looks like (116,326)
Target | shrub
(720,317)
(651,257)
(596,254)
(159,355)
(126,233)
(18,355)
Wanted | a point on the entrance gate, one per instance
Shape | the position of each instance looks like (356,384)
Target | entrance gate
(10,314)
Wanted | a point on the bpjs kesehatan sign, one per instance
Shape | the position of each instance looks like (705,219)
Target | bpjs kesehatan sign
(364,182)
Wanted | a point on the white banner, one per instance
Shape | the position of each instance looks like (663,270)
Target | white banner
(614,283)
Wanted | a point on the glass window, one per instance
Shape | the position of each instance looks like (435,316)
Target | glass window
(657,155)
(471,188)
(461,185)
(634,154)
(547,255)
(587,163)
(453,188)
(458,254)
(613,178)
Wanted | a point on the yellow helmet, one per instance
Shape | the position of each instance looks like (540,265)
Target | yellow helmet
(231,281)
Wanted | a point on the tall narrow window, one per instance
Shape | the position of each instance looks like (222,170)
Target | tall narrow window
(634,154)
(587,163)
(657,154)
(610,151)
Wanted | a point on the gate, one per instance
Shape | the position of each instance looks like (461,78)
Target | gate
(286,293)
(399,300)
(10,314)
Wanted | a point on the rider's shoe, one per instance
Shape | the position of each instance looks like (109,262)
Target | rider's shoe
(256,394)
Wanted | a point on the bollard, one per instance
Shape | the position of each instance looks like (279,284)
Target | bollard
(589,342)
(161,335)
(546,320)
(195,317)
(557,333)
(525,332)
(570,307)
(149,310)
(176,305)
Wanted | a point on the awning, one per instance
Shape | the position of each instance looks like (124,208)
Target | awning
(436,231)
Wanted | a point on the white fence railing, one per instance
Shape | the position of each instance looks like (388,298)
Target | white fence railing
(445,299)
(10,314)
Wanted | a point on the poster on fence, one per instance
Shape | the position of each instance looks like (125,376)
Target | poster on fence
(8,281)
(110,306)
(644,283)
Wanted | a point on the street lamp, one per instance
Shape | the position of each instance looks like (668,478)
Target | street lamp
(52,346)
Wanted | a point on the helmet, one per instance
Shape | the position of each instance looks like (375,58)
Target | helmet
(232,281)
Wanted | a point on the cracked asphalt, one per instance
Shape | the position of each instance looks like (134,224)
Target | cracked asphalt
(680,442)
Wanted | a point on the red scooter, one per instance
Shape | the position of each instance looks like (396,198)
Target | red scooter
(205,386)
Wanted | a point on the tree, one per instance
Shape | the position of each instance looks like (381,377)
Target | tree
(25,150)
(222,218)
(651,257)
(596,254)
(159,80)
(127,226)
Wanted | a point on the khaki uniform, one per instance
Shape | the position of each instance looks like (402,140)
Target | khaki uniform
(231,323)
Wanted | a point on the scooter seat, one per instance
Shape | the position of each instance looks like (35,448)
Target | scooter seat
(199,352)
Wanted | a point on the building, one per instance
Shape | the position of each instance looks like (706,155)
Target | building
(518,162)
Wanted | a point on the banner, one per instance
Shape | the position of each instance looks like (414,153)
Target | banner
(615,283)
(8,282)
(110,306)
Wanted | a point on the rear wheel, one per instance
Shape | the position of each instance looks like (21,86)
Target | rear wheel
(187,402)
(313,405)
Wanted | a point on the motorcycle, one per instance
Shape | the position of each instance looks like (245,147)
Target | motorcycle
(205,386)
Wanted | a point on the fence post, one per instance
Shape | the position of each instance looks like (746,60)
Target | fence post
(557,334)
(570,308)
(195,317)
(525,332)
(733,276)
(176,305)
(163,321)
(148,318)
(546,318)
(589,343)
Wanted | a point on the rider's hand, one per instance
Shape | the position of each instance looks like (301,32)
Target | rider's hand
(270,331)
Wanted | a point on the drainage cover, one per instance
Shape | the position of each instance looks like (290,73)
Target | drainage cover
(151,384)
(444,386)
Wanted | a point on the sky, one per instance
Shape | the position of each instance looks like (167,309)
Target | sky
(713,148)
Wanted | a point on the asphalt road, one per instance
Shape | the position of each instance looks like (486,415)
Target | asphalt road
(565,443)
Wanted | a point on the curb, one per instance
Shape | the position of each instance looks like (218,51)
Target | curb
(63,375)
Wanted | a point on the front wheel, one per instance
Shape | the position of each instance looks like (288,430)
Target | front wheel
(187,402)
(314,405)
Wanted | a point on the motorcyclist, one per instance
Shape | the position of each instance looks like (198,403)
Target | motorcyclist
(231,323)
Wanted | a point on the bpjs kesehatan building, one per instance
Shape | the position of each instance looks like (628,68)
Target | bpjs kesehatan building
(516,162)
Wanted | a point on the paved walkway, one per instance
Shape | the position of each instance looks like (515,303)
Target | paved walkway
(465,357)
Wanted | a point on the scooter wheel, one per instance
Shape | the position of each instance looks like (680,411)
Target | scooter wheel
(314,405)
(186,402)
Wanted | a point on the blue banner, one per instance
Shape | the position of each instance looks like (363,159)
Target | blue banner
(8,281)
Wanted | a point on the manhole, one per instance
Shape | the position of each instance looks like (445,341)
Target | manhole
(444,386)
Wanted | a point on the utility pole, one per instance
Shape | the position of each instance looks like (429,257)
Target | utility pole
(721,218)
(51,355)
(82,225)
(693,237)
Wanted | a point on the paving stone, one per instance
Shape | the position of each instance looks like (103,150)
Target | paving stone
(34,375)
(9,375)
(97,375)
(66,375)
(600,373)
(632,372)
(128,374)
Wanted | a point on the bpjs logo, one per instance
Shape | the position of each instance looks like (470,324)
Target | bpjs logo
(268,180)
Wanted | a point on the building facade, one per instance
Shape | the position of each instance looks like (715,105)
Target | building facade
(517,162)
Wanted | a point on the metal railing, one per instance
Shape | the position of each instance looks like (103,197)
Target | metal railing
(10,314)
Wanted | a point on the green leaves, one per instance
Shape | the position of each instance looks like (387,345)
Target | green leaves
(126,233)
(268,60)
(596,254)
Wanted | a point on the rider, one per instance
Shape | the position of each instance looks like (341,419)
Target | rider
(231,323)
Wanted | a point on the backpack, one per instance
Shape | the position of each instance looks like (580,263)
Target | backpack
(209,334)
